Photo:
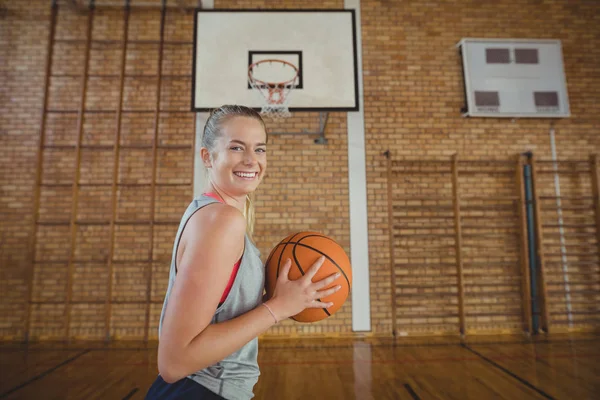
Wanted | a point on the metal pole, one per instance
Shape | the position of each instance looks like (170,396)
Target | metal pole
(458,244)
(563,247)
(524,256)
(391,238)
(539,243)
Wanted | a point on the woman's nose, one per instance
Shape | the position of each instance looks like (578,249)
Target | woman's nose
(250,157)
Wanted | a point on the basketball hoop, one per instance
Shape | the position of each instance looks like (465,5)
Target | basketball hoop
(275,95)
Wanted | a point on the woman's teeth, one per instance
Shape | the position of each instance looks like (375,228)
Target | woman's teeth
(245,174)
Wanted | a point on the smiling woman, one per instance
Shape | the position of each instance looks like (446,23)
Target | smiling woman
(234,143)
(213,309)
(240,151)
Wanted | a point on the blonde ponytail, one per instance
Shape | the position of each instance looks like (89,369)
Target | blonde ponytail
(249,214)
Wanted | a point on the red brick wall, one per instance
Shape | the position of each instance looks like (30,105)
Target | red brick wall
(23,37)
(413,94)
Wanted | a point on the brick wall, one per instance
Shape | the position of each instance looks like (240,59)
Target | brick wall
(413,94)
(23,43)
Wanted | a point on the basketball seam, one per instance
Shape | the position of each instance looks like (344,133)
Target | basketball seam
(320,252)
(315,235)
(281,255)
(301,271)
(298,243)
(296,260)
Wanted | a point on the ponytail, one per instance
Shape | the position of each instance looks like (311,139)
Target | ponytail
(249,214)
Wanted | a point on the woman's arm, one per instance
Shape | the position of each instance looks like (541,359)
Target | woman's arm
(217,341)
(188,342)
(289,298)
(211,242)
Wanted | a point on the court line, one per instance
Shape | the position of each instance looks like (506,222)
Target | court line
(43,374)
(374,362)
(391,343)
(510,373)
(410,345)
(424,361)
(316,347)
(411,392)
(128,395)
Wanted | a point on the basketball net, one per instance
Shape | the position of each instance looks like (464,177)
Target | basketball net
(275,96)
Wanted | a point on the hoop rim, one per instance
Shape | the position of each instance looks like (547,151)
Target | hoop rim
(272,84)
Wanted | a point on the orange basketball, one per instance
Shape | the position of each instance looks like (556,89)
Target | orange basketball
(304,248)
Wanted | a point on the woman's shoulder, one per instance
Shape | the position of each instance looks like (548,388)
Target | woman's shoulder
(217,217)
(218,227)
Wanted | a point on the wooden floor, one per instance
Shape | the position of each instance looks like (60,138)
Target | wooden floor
(499,367)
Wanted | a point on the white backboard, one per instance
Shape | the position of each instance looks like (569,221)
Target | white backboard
(321,42)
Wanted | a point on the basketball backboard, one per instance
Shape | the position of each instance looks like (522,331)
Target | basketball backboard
(320,43)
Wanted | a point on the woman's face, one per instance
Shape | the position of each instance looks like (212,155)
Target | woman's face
(239,161)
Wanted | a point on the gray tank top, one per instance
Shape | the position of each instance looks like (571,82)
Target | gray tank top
(234,377)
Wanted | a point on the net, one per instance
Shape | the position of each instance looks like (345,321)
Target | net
(274,91)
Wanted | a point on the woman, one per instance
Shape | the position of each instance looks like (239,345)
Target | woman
(213,309)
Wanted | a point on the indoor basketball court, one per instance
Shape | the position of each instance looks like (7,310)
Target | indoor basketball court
(441,158)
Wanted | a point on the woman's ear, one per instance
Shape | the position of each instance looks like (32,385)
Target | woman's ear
(205,154)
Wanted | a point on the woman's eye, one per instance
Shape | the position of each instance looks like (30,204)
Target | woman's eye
(261,150)
(236,148)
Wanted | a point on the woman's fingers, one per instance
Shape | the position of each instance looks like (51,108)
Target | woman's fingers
(328,292)
(293,296)
(326,281)
(285,270)
(319,304)
(312,271)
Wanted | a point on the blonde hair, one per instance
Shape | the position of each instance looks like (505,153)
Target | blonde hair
(249,214)
(212,131)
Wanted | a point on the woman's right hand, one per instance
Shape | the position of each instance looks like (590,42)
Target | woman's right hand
(292,297)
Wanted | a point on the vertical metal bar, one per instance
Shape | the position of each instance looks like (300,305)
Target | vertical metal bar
(391,238)
(541,278)
(533,268)
(39,166)
(458,244)
(563,245)
(115,178)
(595,171)
(76,175)
(524,256)
(154,167)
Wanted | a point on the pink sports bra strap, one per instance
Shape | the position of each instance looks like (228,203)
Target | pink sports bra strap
(214,196)
(236,267)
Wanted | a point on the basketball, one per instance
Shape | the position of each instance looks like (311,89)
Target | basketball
(304,249)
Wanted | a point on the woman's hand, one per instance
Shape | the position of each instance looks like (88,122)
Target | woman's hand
(292,297)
